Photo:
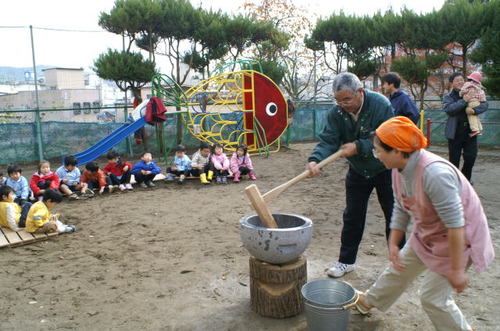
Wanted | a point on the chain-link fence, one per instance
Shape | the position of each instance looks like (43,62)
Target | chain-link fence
(20,142)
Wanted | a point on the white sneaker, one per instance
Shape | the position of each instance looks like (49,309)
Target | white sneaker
(129,186)
(122,187)
(340,269)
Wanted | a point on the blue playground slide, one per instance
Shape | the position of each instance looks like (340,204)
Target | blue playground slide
(109,141)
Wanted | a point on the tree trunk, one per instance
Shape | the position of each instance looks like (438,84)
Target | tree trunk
(275,289)
(136,93)
(464,59)
(422,96)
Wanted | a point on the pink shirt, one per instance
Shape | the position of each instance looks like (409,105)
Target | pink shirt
(220,161)
(237,162)
(429,238)
(472,92)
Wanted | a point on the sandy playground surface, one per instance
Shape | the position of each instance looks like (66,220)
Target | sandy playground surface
(170,258)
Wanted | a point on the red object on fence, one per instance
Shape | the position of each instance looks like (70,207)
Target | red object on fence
(429,122)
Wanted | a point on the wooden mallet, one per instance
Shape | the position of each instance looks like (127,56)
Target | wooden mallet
(259,201)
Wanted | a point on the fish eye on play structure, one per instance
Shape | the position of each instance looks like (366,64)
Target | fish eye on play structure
(271,109)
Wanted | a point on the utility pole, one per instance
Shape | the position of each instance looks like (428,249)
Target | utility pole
(125,112)
(37,114)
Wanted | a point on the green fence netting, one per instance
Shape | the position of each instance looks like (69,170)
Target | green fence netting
(18,140)
(490,120)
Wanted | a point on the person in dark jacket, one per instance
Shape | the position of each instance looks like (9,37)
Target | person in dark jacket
(457,128)
(348,127)
(400,100)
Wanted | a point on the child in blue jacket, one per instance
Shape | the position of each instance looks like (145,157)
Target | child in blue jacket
(145,170)
(181,166)
(19,184)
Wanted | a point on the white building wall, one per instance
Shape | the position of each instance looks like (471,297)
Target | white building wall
(61,78)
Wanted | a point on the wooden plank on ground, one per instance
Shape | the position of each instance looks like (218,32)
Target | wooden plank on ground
(26,236)
(162,177)
(39,236)
(12,236)
(3,241)
(157,177)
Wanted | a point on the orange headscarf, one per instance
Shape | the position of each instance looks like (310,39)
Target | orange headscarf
(401,133)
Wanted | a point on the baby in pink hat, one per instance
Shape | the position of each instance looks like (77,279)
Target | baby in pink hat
(473,93)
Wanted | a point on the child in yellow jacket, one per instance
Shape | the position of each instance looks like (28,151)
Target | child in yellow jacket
(41,220)
(11,214)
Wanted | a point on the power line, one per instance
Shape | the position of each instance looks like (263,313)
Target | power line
(48,29)
(14,27)
(67,30)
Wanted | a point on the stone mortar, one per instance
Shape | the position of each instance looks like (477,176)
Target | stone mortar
(276,246)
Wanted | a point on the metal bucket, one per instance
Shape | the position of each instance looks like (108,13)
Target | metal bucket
(327,303)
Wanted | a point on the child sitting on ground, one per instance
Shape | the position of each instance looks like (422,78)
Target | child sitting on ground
(241,164)
(19,184)
(69,175)
(473,93)
(41,220)
(95,178)
(11,215)
(119,172)
(181,166)
(221,164)
(201,165)
(145,170)
(43,179)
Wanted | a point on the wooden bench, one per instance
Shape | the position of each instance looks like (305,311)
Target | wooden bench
(163,177)
(157,177)
(9,238)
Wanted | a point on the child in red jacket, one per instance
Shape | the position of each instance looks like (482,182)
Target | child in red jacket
(95,178)
(43,179)
(118,171)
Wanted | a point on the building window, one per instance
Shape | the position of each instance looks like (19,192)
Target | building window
(96,105)
(86,108)
(76,108)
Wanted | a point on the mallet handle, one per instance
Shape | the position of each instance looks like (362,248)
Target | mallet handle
(279,189)
(265,216)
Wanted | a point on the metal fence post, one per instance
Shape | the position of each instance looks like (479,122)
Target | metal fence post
(38,119)
(429,122)
(128,141)
(422,119)
(314,121)
(287,136)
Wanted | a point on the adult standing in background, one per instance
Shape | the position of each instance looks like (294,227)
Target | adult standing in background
(348,127)
(400,100)
(457,126)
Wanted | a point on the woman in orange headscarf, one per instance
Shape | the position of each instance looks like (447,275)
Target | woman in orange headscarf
(450,228)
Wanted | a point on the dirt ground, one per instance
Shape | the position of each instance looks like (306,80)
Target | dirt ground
(170,258)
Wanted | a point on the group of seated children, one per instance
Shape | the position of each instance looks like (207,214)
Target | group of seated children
(207,162)
(47,187)
(68,180)
(37,218)
(17,212)
(116,174)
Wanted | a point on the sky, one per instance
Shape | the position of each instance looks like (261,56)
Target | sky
(80,49)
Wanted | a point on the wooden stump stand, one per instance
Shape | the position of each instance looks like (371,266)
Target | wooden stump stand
(275,289)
